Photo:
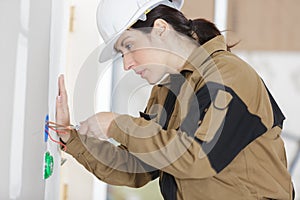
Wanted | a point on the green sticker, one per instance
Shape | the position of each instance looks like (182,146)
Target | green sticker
(48,165)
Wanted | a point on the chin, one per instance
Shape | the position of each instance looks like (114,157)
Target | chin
(154,79)
(151,82)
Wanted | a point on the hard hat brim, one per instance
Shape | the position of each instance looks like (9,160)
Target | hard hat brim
(109,52)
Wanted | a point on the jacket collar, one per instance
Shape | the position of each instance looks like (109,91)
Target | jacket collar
(203,52)
(199,56)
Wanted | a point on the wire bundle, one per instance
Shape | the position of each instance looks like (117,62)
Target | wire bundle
(59,129)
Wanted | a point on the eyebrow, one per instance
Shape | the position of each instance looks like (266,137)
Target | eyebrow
(122,43)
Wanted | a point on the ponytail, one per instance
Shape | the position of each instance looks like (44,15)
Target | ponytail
(204,29)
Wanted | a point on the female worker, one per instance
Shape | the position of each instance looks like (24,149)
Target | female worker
(211,129)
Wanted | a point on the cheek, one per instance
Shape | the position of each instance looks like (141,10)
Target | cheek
(146,56)
(141,57)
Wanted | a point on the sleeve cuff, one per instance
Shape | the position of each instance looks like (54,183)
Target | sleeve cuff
(74,144)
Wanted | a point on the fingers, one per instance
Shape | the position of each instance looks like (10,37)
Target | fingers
(62,109)
(62,94)
(87,127)
(62,88)
(95,126)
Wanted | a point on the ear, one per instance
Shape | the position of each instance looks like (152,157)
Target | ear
(161,27)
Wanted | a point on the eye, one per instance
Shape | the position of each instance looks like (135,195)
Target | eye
(129,46)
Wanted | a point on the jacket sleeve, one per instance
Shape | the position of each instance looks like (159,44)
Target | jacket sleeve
(171,151)
(218,125)
(111,164)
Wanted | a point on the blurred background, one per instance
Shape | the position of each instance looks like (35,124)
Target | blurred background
(40,40)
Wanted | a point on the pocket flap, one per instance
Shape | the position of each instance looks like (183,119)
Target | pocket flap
(222,100)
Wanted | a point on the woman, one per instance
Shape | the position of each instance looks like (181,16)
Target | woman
(211,129)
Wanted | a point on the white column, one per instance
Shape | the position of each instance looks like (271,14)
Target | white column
(220,15)
(18,120)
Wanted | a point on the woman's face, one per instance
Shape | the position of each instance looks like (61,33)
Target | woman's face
(144,54)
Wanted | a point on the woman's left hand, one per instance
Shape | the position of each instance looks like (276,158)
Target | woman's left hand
(97,125)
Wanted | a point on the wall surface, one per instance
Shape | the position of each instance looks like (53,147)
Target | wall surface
(194,9)
(24,66)
(264,25)
(260,25)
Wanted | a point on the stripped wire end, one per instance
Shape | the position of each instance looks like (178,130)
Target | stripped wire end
(59,129)
(56,141)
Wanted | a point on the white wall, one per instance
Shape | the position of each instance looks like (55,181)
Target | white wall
(24,66)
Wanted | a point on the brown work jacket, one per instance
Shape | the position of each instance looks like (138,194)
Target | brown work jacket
(210,132)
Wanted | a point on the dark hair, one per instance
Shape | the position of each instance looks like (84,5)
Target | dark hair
(200,30)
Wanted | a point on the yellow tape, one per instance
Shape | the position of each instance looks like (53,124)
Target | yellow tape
(147,11)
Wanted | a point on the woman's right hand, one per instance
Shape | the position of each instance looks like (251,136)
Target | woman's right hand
(62,109)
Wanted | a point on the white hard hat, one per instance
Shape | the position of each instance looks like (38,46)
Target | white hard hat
(115,16)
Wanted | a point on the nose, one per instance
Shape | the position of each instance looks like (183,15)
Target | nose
(128,61)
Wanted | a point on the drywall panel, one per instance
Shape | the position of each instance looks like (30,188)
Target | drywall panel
(24,68)
(8,45)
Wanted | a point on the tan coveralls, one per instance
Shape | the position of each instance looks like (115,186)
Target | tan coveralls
(219,139)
